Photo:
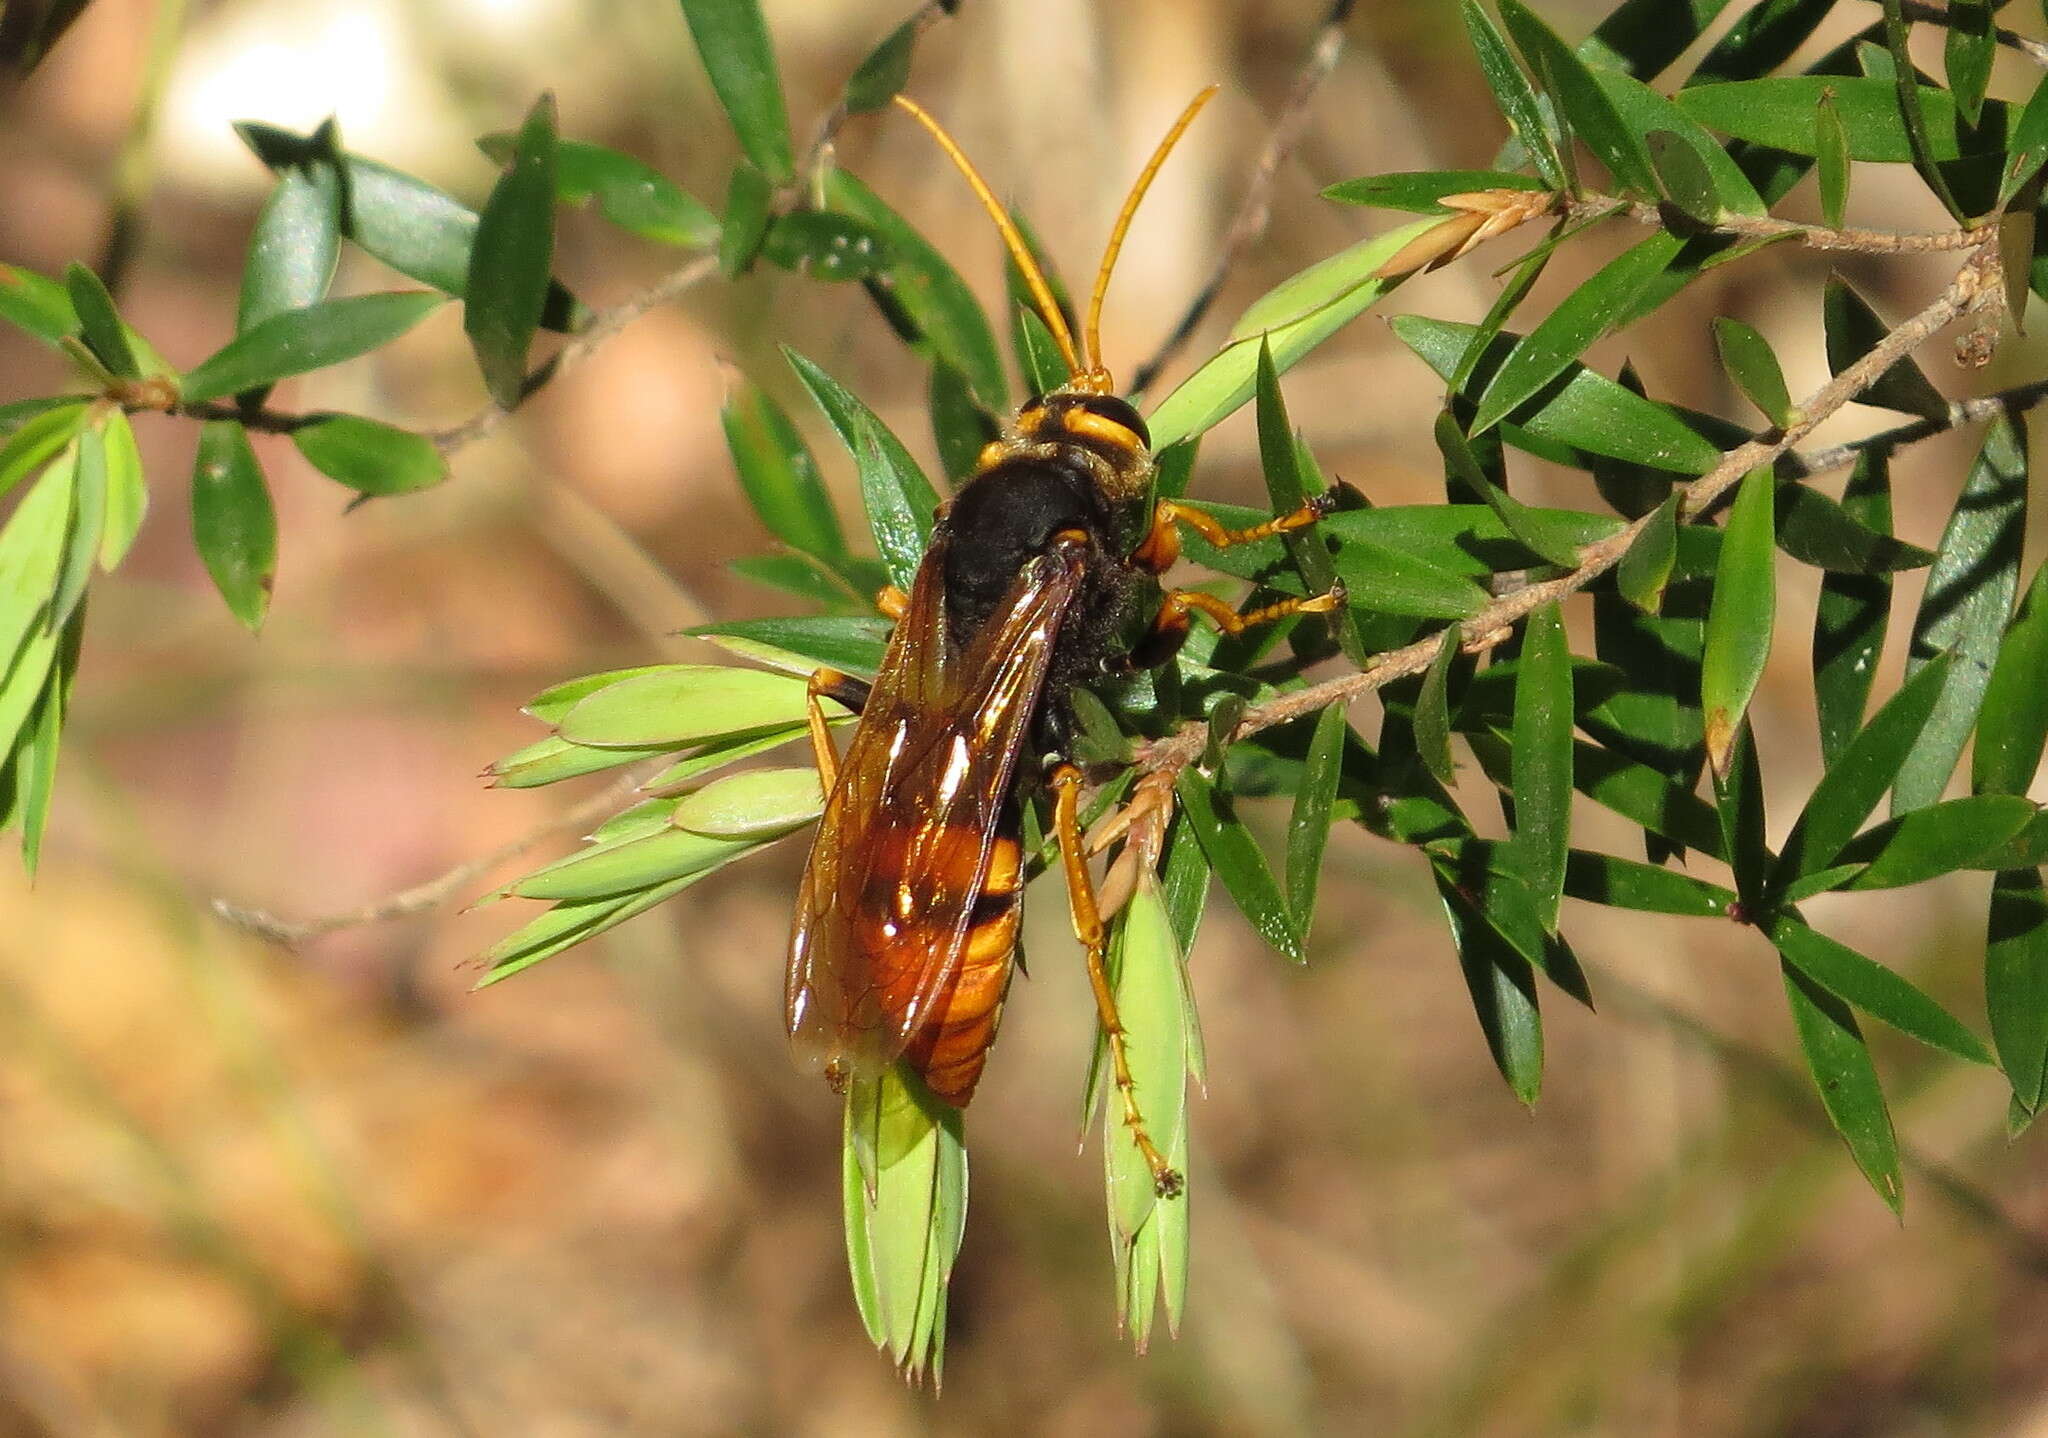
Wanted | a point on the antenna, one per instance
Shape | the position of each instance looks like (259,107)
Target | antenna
(1034,278)
(1097,375)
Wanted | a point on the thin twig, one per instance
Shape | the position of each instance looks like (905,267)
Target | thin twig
(2034,50)
(1496,622)
(1257,206)
(2013,402)
(815,158)
(1813,237)
(586,340)
(436,891)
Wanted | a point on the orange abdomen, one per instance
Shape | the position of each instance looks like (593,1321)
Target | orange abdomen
(950,1041)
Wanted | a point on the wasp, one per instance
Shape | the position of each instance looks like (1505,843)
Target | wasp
(1038,572)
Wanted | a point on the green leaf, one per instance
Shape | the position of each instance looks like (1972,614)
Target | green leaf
(1971,47)
(1739,805)
(553,759)
(1968,601)
(1678,143)
(2016,981)
(1236,859)
(1815,530)
(1038,353)
(1503,988)
(1511,91)
(1145,965)
(1858,775)
(1854,611)
(1291,320)
(748,197)
(99,324)
(31,556)
(636,865)
(798,646)
(961,427)
(691,770)
(2013,722)
(686,703)
(1747,357)
(1778,111)
(756,804)
(567,925)
(511,258)
(420,231)
(905,1186)
(1905,81)
(732,41)
(1740,621)
(1926,843)
(233,523)
(1762,39)
(1853,330)
(36,305)
(825,246)
(297,239)
(1839,1061)
(1585,106)
(629,193)
(1308,827)
(2028,150)
(1644,36)
(1586,411)
(1649,888)
(1831,152)
(1543,760)
(1647,797)
(553,703)
(368,456)
(1646,568)
(1432,713)
(37,441)
(301,340)
(127,496)
(35,755)
(1873,988)
(1290,483)
(926,287)
(777,472)
(900,500)
(1579,319)
(88,524)
(886,70)
(1420,191)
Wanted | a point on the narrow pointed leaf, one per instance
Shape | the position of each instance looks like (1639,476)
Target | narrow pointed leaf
(1646,568)
(1585,106)
(900,500)
(1739,624)
(732,41)
(370,457)
(127,495)
(1543,760)
(1432,713)
(297,239)
(1420,191)
(511,258)
(311,338)
(1511,91)
(1238,862)
(2013,722)
(2016,981)
(1308,827)
(36,304)
(1853,330)
(2028,149)
(685,703)
(1968,601)
(754,804)
(1938,839)
(99,324)
(1748,358)
(631,194)
(1839,1061)
(1859,774)
(1581,318)
(1875,989)
(1854,611)
(777,472)
(1503,988)
(1649,888)
(233,523)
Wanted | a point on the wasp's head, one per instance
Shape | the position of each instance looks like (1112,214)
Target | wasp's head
(1104,426)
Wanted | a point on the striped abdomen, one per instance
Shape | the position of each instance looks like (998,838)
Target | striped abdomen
(950,1040)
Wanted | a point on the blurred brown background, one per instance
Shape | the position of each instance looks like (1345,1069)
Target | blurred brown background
(253,1192)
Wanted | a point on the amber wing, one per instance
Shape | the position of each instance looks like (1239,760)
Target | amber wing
(906,918)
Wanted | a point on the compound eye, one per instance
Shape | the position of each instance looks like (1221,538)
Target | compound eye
(1116,411)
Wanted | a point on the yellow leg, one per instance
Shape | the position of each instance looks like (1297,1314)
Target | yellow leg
(823,681)
(1161,545)
(892,602)
(1066,789)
